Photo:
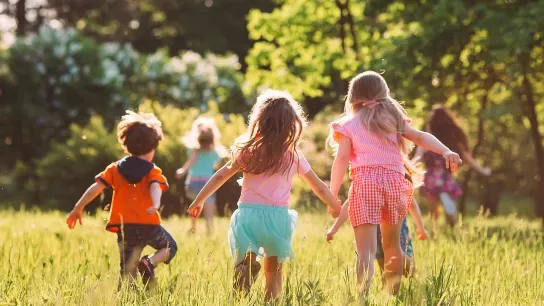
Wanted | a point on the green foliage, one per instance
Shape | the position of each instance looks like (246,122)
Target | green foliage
(486,262)
(58,77)
(191,80)
(76,161)
(471,56)
(69,167)
(202,26)
(299,48)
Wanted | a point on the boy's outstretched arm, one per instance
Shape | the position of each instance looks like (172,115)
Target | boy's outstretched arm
(431,143)
(156,193)
(323,192)
(340,165)
(217,180)
(338,222)
(90,194)
(415,212)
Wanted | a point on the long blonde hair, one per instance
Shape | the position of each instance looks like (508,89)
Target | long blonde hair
(275,127)
(204,135)
(386,118)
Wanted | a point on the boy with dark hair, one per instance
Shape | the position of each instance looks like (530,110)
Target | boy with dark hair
(137,188)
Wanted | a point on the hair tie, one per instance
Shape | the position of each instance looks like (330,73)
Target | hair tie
(371,103)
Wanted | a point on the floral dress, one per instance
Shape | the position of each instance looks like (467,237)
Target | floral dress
(438,179)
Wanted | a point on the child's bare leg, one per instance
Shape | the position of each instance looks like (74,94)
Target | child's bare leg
(192,229)
(166,248)
(160,256)
(191,195)
(246,272)
(129,256)
(409,266)
(273,277)
(394,258)
(450,208)
(209,212)
(380,264)
(433,208)
(365,239)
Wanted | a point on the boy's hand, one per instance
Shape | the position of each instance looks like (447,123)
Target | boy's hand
(195,209)
(422,234)
(486,171)
(452,160)
(330,233)
(152,210)
(73,217)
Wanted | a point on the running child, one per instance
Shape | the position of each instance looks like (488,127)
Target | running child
(372,142)
(269,157)
(205,154)
(439,184)
(405,238)
(137,188)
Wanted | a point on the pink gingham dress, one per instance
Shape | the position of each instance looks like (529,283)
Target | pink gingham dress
(379,191)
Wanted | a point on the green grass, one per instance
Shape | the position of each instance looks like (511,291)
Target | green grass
(485,262)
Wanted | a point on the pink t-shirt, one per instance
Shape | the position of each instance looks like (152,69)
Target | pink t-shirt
(272,189)
(368,148)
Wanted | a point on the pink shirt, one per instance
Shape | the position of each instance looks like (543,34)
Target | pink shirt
(272,189)
(368,148)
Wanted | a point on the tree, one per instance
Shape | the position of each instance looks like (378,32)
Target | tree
(216,26)
(483,59)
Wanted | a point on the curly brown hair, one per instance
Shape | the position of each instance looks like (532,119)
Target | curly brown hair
(139,134)
(275,127)
(443,125)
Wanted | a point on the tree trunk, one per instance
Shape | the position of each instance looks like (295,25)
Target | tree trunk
(351,24)
(530,112)
(342,23)
(479,140)
(492,196)
(20,17)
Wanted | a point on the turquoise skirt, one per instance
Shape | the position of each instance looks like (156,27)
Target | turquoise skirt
(262,229)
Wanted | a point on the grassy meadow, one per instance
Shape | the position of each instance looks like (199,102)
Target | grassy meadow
(487,262)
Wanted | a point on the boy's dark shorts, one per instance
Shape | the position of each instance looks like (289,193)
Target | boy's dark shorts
(133,238)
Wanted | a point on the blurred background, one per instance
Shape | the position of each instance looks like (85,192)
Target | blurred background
(70,68)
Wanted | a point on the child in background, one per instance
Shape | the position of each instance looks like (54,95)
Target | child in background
(439,184)
(269,157)
(405,239)
(371,140)
(137,188)
(205,153)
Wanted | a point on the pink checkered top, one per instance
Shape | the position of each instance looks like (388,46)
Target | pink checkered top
(368,148)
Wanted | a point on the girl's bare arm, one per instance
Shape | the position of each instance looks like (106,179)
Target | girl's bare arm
(340,165)
(415,212)
(475,165)
(338,222)
(188,164)
(217,180)
(431,143)
(323,192)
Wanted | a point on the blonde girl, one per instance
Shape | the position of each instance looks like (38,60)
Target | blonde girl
(372,141)
(205,153)
(269,157)
(405,238)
